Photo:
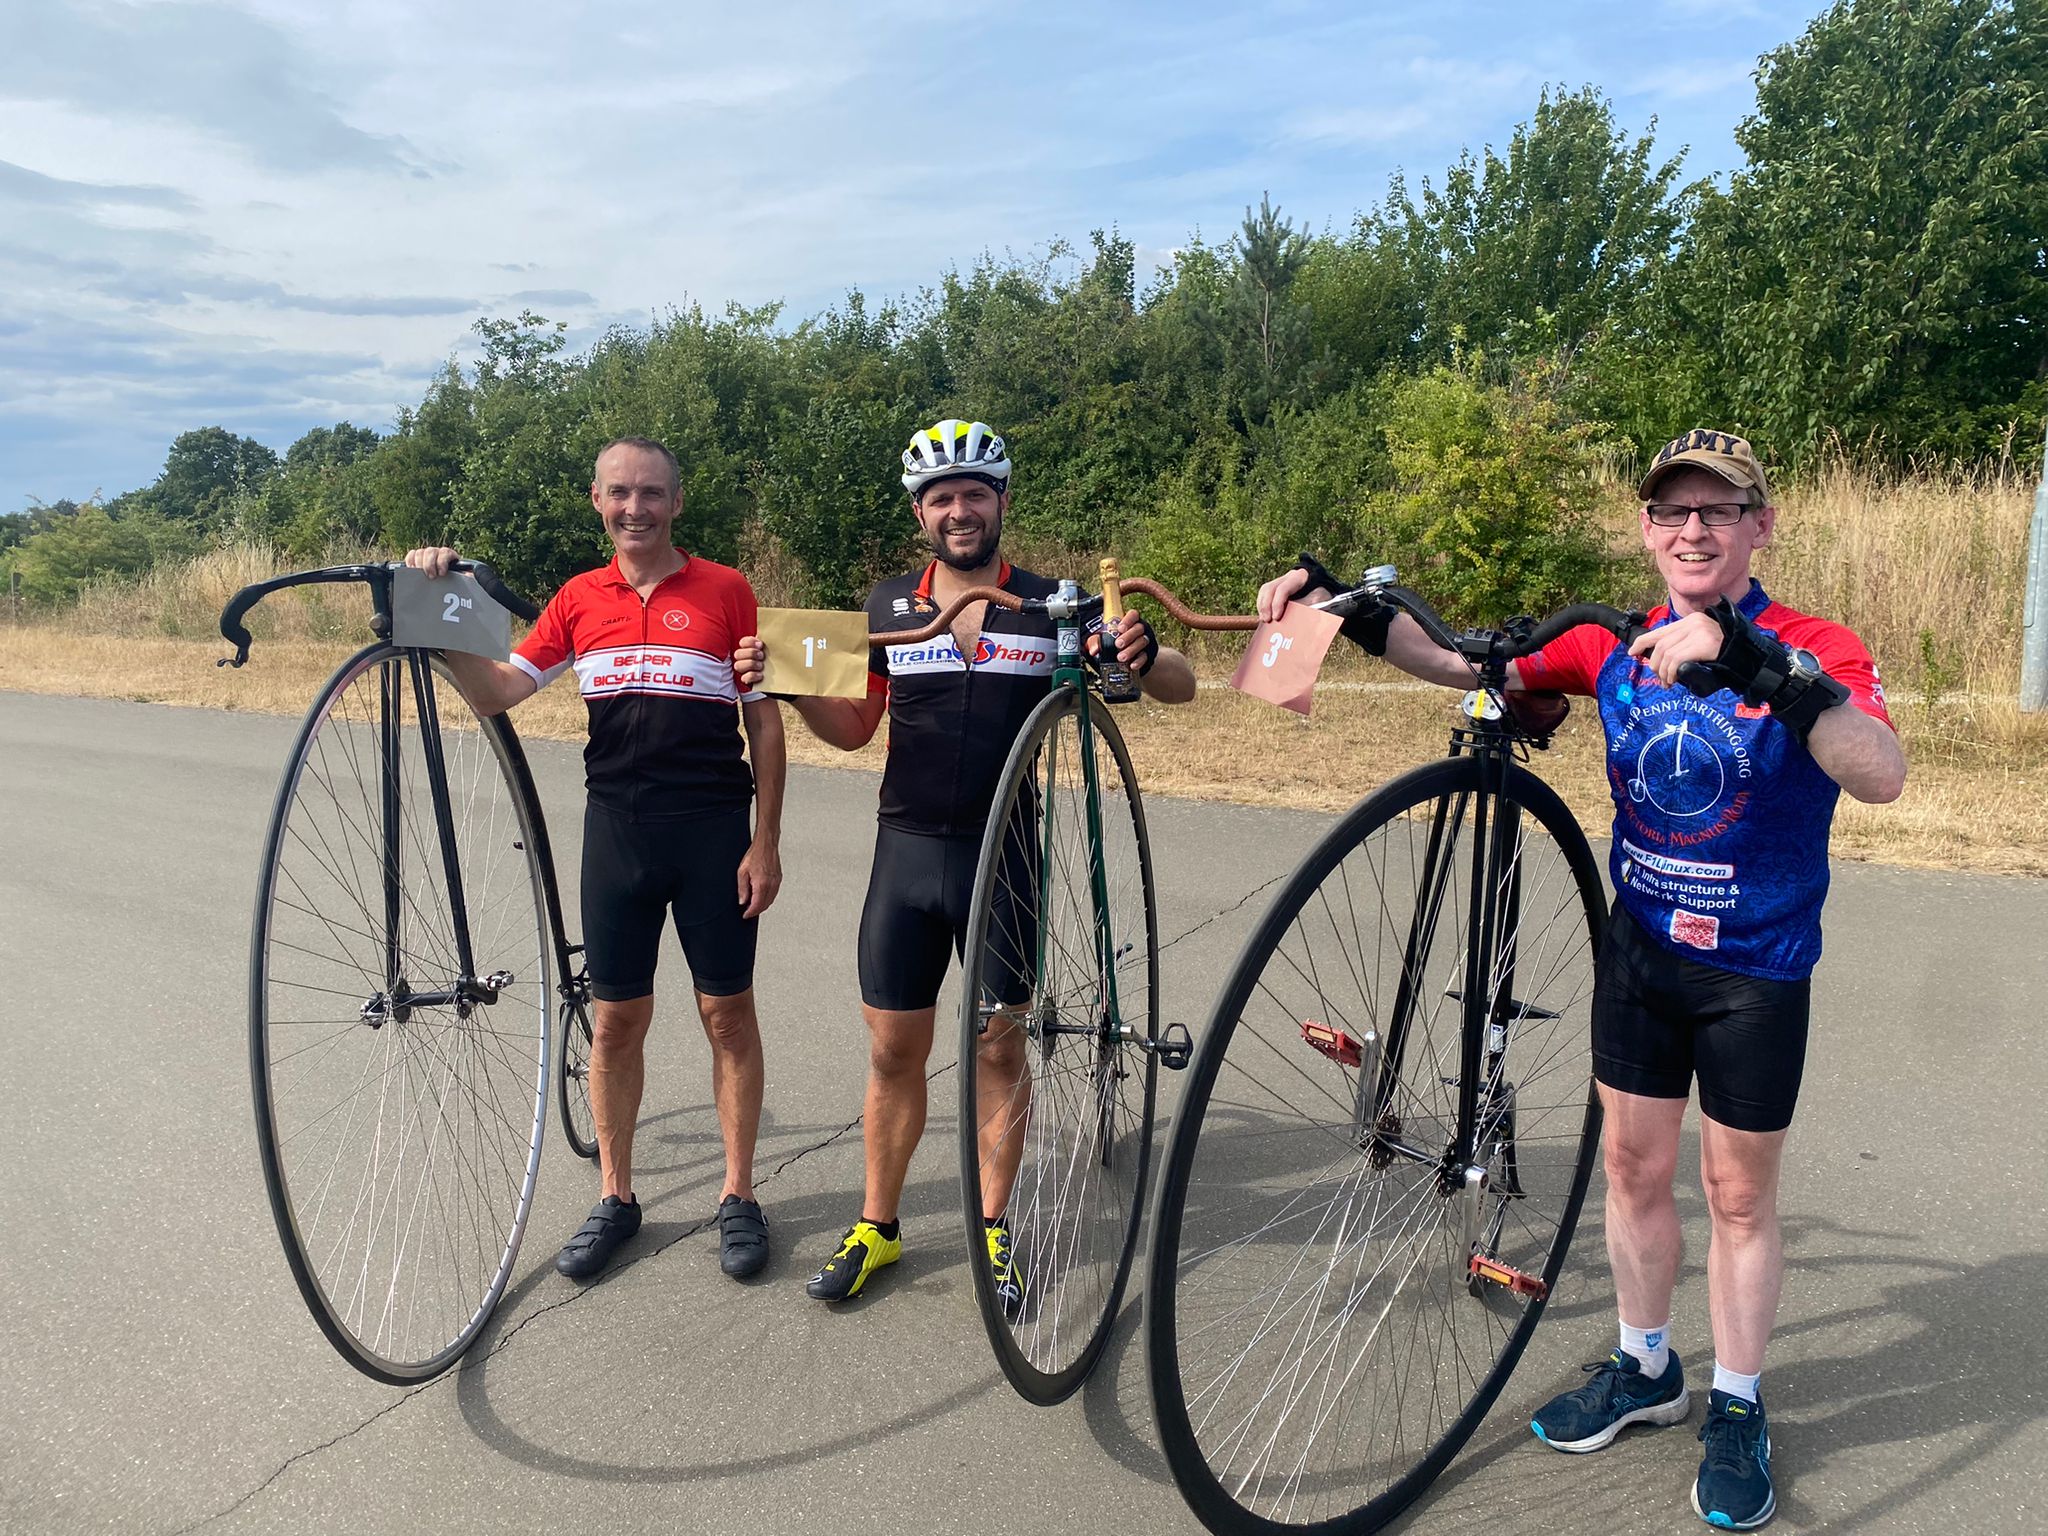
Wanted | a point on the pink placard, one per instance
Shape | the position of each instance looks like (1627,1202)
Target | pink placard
(1281,664)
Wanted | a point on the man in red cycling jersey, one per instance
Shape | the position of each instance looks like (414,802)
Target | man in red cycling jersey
(954,706)
(666,829)
(1719,862)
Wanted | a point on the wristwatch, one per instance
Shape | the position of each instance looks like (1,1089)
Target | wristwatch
(1806,694)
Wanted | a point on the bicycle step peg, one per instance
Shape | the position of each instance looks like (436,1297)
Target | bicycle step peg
(1512,1010)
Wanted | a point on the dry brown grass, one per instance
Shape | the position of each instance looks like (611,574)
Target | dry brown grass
(1926,555)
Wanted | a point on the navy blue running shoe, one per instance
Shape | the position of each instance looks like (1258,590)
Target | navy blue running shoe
(1588,1418)
(1733,1489)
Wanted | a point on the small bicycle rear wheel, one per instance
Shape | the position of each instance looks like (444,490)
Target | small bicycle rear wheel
(1357,1148)
(573,1078)
(1059,1010)
(399,1103)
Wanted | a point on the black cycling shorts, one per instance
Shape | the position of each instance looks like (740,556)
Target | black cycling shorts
(1659,1017)
(637,873)
(915,919)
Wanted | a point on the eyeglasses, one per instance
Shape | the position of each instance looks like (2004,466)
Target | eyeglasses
(1715,514)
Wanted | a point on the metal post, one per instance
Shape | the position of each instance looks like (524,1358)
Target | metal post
(2034,636)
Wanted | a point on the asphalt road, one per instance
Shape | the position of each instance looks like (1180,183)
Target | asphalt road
(158,1372)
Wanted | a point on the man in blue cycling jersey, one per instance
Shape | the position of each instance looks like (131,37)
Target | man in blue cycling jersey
(954,706)
(666,834)
(1719,862)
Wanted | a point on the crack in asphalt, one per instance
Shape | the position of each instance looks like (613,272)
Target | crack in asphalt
(504,1340)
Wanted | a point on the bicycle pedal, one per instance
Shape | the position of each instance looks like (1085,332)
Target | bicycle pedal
(1333,1042)
(1513,1279)
(1175,1047)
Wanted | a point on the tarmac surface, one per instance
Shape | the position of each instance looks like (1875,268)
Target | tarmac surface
(162,1375)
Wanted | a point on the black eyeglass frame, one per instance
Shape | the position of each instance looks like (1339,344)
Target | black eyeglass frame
(1726,513)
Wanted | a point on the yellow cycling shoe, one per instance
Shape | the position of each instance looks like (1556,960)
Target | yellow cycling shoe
(861,1252)
(1003,1269)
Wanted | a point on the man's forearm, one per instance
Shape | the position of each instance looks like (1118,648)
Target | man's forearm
(837,722)
(1859,752)
(1411,649)
(770,754)
(1171,679)
(492,687)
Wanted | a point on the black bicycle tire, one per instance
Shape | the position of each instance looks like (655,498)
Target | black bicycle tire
(575,1019)
(1210,1501)
(276,1184)
(1035,1385)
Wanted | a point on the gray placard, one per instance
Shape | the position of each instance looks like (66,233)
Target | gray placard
(451,614)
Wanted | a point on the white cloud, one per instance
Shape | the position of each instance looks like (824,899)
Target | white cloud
(244,189)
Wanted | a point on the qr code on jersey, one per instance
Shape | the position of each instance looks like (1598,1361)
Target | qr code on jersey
(1696,929)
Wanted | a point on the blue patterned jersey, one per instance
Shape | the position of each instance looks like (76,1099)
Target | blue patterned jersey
(1721,816)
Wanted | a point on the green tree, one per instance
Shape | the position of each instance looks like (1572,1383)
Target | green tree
(56,562)
(205,470)
(1879,270)
(1546,245)
(1494,492)
(829,495)
(1269,329)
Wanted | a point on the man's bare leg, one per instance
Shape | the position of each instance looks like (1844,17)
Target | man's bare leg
(899,1045)
(1745,1257)
(734,1030)
(618,1072)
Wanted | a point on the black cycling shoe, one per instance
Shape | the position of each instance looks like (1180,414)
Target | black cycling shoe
(611,1222)
(742,1237)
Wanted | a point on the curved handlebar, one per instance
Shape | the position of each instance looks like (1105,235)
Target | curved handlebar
(377,574)
(1015,604)
(1514,644)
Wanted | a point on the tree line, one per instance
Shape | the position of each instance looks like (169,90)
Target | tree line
(1434,383)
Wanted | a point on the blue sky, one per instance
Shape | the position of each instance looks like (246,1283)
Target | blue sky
(271,216)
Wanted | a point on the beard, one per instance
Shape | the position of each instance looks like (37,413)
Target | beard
(974,556)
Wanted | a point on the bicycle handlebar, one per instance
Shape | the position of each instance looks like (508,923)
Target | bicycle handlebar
(378,575)
(1520,638)
(1086,605)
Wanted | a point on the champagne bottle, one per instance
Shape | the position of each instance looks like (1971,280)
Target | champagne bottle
(1118,685)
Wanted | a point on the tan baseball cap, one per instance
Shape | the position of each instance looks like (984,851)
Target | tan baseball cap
(1725,454)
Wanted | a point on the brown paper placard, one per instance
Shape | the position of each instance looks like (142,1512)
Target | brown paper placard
(1281,664)
(815,651)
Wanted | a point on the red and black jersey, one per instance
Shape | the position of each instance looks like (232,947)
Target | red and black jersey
(657,678)
(952,718)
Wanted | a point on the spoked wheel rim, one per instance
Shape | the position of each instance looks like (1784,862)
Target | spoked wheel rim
(1320,1342)
(399,1112)
(1061,1074)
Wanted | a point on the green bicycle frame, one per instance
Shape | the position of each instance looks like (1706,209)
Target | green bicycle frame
(1070,671)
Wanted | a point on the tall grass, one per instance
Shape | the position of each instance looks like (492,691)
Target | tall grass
(183,599)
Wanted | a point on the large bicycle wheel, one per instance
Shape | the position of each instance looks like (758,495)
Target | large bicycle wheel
(1370,1188)
(399,1101)
(1059,1010)
(572,1074)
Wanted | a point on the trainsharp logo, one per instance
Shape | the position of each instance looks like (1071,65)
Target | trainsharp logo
(1030,659)
(675,619)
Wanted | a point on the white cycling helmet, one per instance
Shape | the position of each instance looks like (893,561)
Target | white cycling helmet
(955,448)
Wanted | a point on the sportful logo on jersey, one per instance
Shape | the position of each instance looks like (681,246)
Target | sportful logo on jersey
(1030,659)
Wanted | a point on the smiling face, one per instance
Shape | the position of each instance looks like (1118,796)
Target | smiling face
(1698,563)
(634,492)
(962,519)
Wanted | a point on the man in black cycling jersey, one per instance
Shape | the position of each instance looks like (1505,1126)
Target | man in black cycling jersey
(1719,862)
(666,830)
(954,705)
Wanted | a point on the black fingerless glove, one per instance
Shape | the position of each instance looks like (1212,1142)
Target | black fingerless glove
(1365,627)
(1762,670)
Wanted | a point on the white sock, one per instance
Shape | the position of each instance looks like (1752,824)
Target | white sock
(1744,1387)
(1650,1346)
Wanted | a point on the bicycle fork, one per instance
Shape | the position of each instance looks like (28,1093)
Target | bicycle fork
(396,1002)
